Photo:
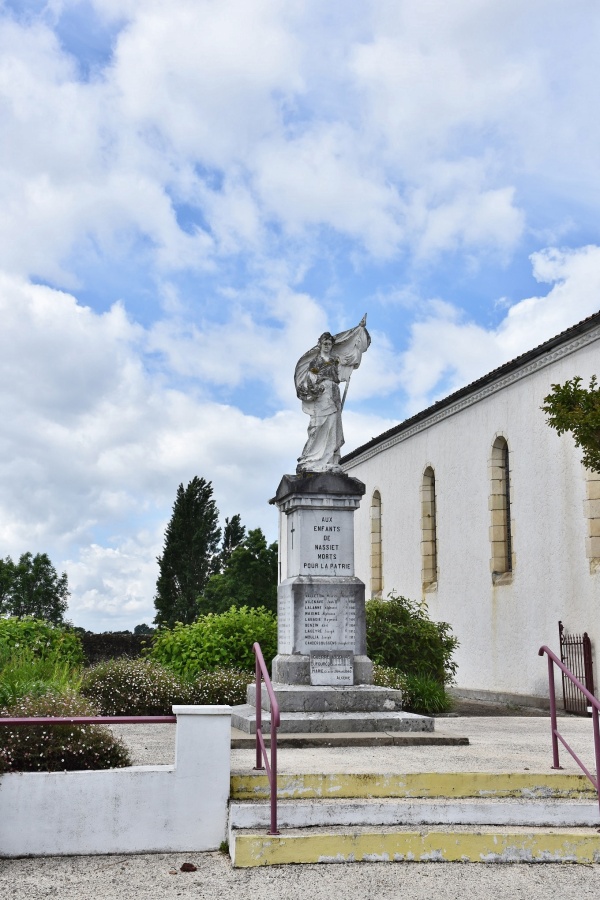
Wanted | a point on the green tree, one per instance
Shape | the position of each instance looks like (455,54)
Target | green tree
(249,578)
(33,587)
(571,407)
(189,553)
(233,535)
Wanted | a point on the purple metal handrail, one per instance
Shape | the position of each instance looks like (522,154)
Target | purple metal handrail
(556,736)
(261,752)
(89,720)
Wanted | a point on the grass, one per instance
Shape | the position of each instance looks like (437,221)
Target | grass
(24,674)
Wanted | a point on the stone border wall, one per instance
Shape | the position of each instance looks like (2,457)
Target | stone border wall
(141,809)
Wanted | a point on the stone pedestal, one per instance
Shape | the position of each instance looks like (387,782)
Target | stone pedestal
(322,677)
(320,602)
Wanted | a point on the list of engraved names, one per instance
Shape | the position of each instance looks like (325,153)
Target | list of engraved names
(329,621)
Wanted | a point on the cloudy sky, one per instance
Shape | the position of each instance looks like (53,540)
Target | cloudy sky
(192,191)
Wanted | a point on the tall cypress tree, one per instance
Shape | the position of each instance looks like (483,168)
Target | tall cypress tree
(233,535)
(189,553)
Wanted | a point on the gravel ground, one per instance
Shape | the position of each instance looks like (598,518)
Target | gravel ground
(149,877)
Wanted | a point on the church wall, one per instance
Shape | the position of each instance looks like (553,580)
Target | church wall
(500,624)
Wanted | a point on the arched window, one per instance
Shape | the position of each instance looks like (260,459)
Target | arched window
(429,572)
(502,561)
(376,554)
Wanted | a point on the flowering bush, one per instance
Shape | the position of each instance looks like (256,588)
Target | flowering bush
(134,687)
(217,641)
(387,676)
(223,686)
(41,638)
(56,748)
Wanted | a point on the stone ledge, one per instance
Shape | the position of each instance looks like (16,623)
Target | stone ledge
(323,483)
(243,741)
(307,698)
(244,718)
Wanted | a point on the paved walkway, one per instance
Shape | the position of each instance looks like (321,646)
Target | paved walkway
(497,744)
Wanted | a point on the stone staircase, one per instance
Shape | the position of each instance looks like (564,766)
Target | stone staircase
(454,816)
(307,709)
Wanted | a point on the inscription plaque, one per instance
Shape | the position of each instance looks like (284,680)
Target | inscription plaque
(331,667)
(327,547)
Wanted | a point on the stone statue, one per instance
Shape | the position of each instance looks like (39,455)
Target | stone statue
(318,375)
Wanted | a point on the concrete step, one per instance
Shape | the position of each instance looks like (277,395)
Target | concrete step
(454,843)
(242,741)
(314,698)
(254,785)
(244,718)
(294,814)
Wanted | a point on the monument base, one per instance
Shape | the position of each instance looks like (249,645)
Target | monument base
(308,709)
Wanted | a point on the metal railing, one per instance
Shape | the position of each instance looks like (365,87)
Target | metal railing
(553,660)
(261,751)
(90,720)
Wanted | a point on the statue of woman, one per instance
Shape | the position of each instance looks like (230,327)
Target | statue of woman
(317,377)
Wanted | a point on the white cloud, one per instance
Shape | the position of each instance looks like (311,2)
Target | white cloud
(447,351)
(204,104)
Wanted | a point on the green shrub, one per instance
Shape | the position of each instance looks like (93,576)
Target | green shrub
(223,686)
(420,694)
(400,634)
(134,687)
(217,641)
(55,748)
(41,638)
(426,695)
(24,674)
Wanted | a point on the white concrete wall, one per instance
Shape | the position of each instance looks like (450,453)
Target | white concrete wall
(134,810)
(500,626)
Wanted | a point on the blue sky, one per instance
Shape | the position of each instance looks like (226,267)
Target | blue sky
(192,192)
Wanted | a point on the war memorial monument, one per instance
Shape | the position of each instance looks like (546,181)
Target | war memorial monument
(322,676)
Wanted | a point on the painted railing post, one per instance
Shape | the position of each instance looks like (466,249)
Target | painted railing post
(261,752)
(553,723)
(258,701)
(596,747)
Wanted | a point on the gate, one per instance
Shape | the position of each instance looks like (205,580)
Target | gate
(576,654)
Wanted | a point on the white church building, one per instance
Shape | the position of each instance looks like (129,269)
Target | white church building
(478,507)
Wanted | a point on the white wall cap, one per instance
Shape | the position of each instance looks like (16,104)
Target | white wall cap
(202,710)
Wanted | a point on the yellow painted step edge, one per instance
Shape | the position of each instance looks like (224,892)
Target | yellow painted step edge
(418,784)
(432,846)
